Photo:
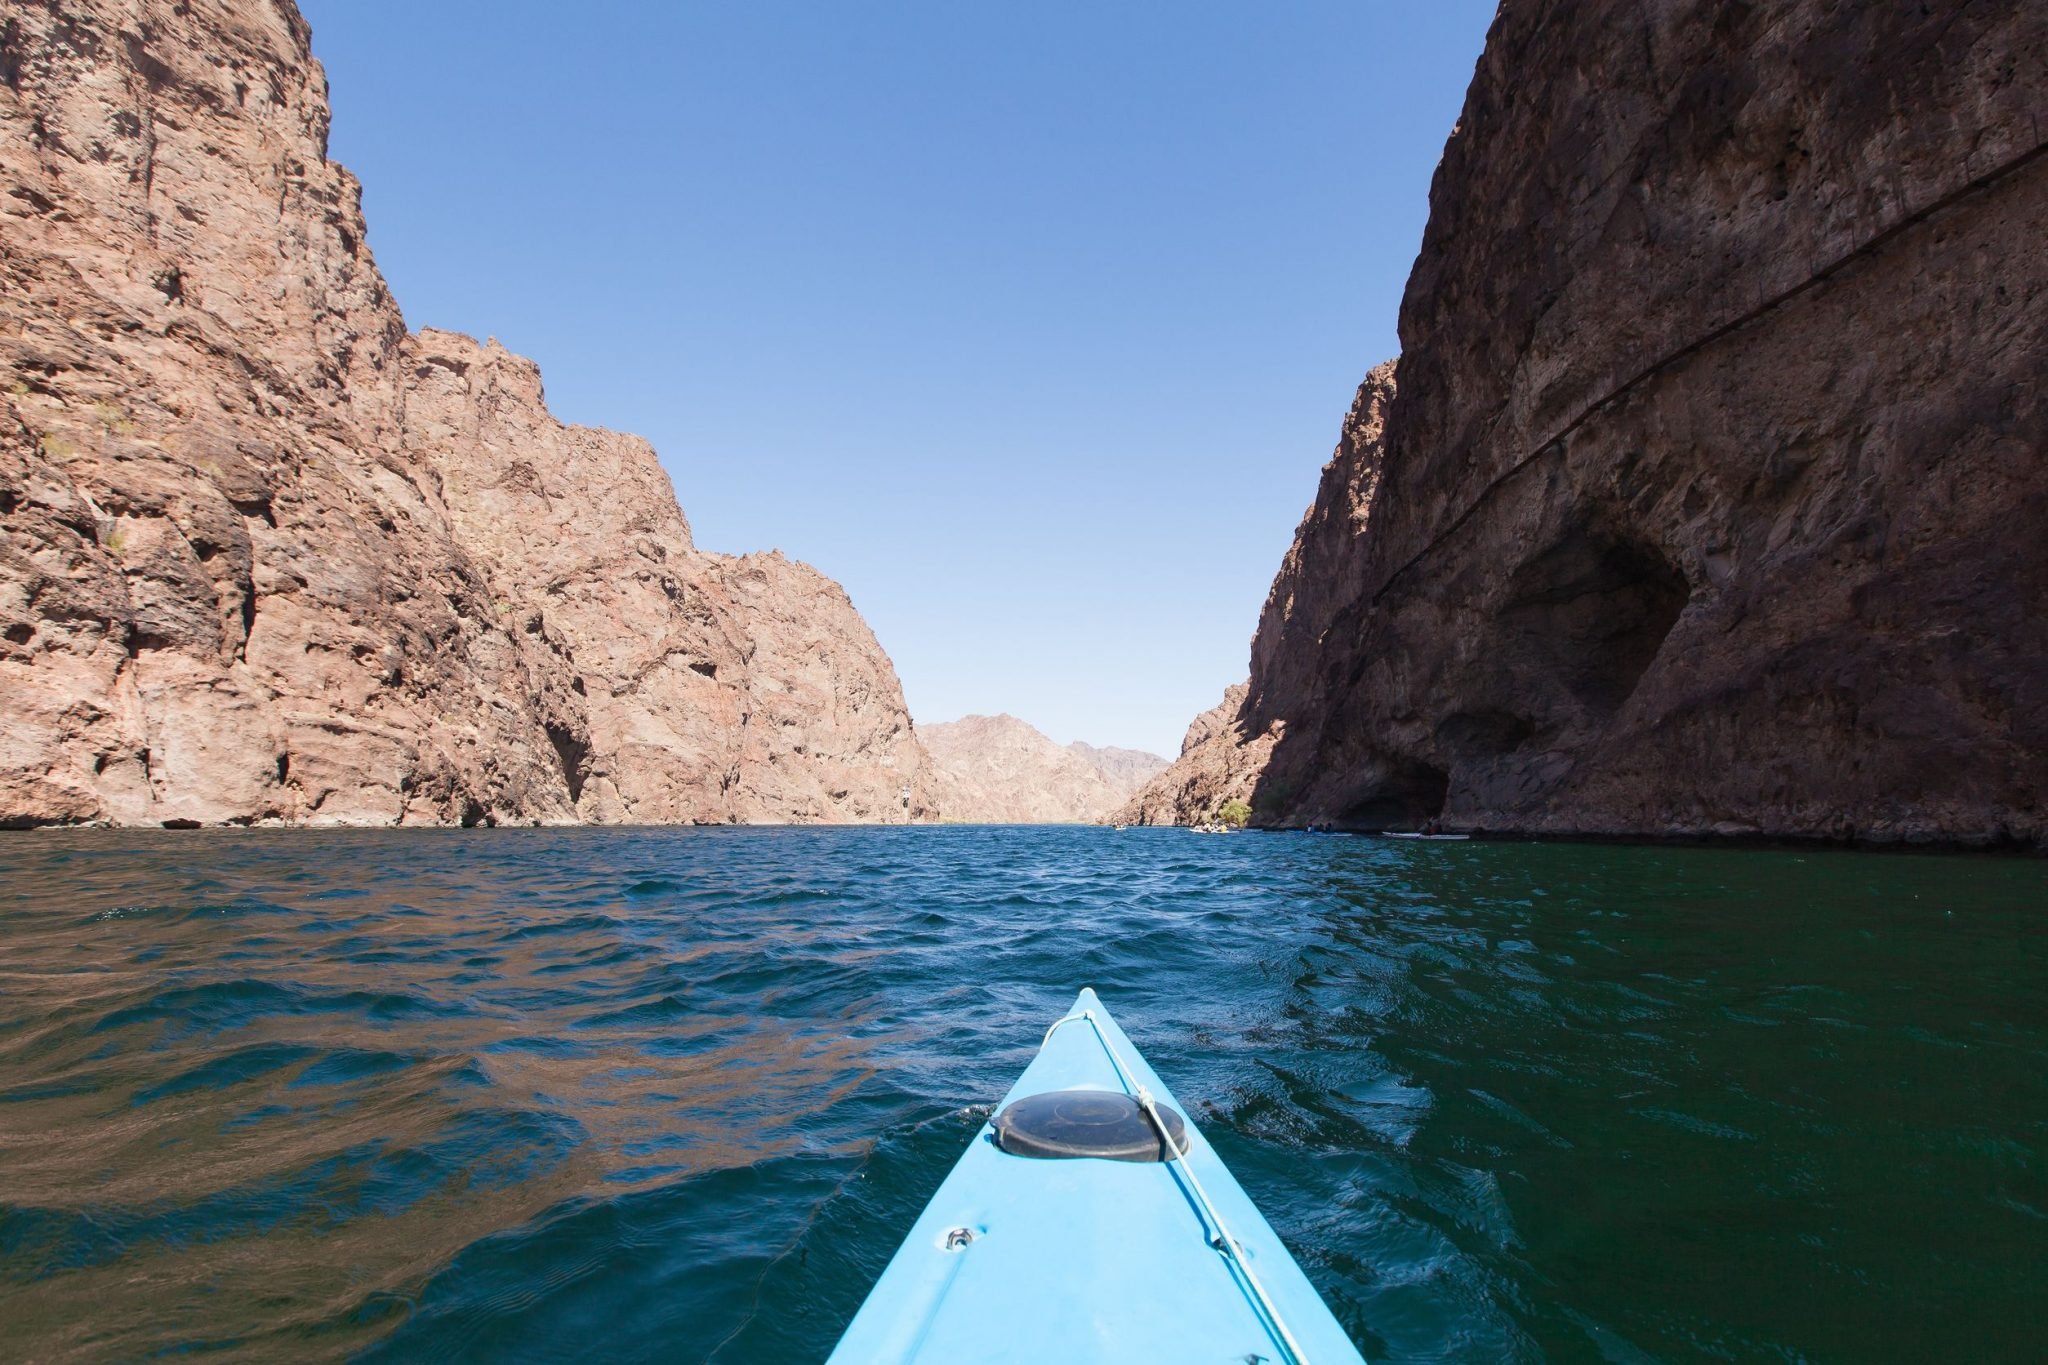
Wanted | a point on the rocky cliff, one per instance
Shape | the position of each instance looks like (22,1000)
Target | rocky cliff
(1709,502)
(268,556)
(1220,760)
(1000,770)
(1226,749)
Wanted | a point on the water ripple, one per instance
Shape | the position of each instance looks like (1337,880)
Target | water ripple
(676,1094)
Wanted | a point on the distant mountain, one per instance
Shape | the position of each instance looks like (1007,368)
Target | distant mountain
(1000,770)
(1126,768)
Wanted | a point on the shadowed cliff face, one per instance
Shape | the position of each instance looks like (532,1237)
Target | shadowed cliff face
(1710,499)
(1227,747)
(268,556)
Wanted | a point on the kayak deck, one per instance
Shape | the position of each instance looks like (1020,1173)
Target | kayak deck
(1087,1259)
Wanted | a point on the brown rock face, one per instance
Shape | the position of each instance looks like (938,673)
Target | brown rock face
(267,556)
(1000,770)
(1710,501)
(1219,761)
(1226,749)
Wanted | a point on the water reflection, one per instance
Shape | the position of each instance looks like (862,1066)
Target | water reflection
(475,1094)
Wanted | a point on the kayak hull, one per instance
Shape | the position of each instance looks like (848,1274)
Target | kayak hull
(1021,1259)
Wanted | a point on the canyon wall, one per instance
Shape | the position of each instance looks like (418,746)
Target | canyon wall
(1225,751)
(268,556)
(1710,499)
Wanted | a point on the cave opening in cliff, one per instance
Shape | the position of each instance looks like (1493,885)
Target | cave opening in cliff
(1585,618)
(1408,794)
(573,752)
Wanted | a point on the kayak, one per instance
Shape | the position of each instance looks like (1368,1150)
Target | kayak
(1090,1221)
(1433,838)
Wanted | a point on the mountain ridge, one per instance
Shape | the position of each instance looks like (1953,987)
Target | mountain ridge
(1002,770)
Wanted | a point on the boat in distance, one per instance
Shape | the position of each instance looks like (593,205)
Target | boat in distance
(1090,1222)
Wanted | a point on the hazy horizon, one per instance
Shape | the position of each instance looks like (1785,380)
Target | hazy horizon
(1031,329)
(921,723)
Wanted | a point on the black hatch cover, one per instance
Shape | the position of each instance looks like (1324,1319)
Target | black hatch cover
(1076,1123)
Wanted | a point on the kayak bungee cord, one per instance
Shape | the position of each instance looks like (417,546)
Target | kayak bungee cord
(1175,1156)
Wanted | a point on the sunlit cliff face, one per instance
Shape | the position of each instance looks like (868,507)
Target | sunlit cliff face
(267,556)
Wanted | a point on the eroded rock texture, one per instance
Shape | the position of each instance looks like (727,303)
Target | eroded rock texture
(268,556)
(1711,499)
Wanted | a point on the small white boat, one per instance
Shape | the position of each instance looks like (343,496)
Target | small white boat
(1434,838)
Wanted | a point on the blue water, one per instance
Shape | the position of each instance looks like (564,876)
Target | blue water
(676,1094)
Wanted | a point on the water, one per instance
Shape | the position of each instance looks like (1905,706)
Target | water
(677,1094)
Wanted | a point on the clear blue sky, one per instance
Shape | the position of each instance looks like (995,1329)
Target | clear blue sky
(1031,323)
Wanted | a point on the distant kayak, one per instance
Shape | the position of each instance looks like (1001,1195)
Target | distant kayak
(1089,1222)
(1436,838)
